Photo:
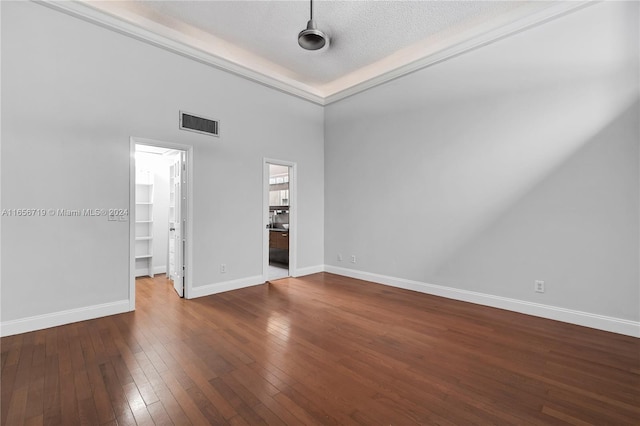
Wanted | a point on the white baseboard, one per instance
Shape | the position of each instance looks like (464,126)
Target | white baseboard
(39,322)
(309,270)
(601,322)
(586,319)
(209,289)
(142,272)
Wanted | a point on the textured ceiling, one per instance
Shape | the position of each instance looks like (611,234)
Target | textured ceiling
(368,38)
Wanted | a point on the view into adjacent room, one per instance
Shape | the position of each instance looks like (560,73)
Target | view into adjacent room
(158,238)
(279,202)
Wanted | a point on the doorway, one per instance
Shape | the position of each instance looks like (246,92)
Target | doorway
(279,210)
(160,213)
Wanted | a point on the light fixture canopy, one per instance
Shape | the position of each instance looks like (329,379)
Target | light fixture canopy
(312,38)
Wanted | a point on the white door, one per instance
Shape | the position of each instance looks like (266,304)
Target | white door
(177,218)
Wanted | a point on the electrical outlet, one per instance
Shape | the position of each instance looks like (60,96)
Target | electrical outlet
(223,268)
(339,257)
(539,286)
(353,258)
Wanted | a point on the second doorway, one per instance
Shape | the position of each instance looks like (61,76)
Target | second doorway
(279,219)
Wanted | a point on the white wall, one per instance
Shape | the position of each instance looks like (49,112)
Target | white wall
(517,161)
(73,93)
(512,163)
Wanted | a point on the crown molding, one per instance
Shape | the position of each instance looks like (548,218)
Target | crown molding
(105,20)
(337,90)
(471,42)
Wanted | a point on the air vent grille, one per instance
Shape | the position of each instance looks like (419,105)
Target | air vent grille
(199,124)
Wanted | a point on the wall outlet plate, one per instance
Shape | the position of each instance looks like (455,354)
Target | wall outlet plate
(538,286)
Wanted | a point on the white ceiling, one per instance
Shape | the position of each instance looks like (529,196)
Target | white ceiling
(371,41)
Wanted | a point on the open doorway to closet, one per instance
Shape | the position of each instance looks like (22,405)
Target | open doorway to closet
(279,197)
(159,205)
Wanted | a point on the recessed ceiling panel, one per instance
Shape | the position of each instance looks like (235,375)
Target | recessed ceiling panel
(368,38)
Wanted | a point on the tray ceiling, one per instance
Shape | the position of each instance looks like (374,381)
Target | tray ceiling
(371,41)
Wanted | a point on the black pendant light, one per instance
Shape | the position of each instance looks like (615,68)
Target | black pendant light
(312,38)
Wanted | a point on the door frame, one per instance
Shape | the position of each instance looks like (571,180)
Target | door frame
(293,215)
(188,232)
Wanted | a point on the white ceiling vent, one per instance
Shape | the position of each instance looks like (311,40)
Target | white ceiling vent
(199,124)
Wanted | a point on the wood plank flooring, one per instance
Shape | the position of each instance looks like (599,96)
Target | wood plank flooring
(321,349)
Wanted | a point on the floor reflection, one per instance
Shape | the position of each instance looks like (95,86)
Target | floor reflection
(278,325)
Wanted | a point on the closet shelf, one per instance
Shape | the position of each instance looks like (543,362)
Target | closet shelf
(144,223)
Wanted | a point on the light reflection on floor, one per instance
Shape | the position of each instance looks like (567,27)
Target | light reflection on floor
(276,272)
(278,325)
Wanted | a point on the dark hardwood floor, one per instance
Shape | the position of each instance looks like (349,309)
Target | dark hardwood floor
(321,349)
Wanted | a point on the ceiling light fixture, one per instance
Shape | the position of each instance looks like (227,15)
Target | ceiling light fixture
(312,38)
